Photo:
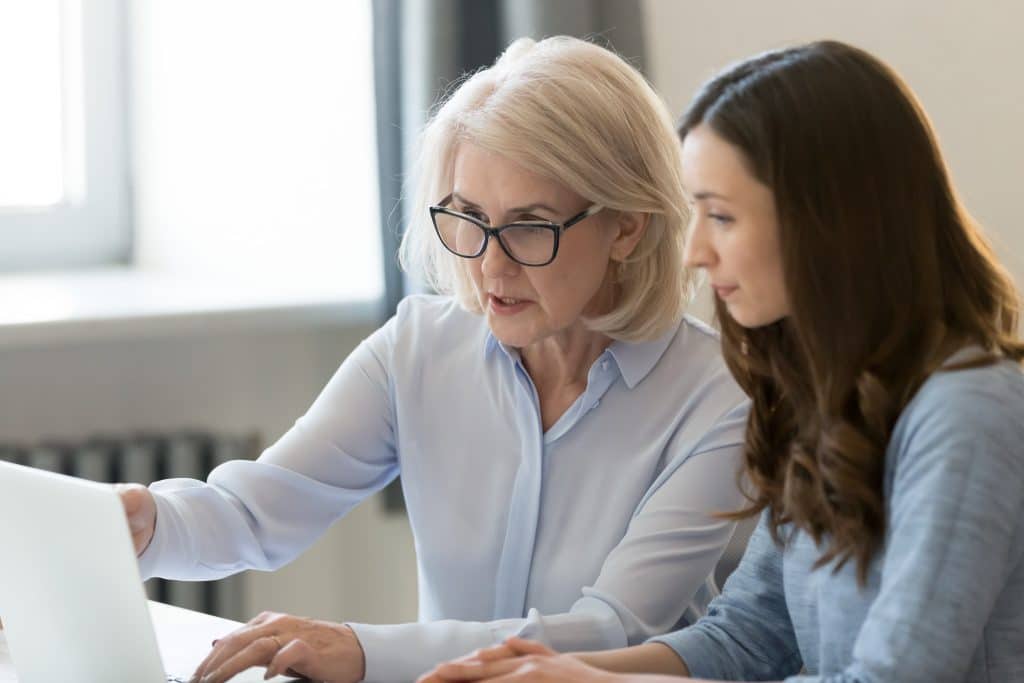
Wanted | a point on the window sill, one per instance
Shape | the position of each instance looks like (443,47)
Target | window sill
(119,303)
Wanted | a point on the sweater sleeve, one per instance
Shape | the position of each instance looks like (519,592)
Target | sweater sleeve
(747,633)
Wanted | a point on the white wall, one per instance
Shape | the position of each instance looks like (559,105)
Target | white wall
(963,60)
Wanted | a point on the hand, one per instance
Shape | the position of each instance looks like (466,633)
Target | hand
(320,650)
(140,508)
(490,654)
(517,660)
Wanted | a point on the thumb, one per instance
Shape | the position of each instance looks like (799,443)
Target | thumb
(522,646)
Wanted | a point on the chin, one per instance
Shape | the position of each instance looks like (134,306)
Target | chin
(754,319)
(509,335)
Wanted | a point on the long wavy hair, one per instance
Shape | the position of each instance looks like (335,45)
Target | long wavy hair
(885,271)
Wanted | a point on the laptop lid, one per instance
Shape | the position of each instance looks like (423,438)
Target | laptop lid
(71,596)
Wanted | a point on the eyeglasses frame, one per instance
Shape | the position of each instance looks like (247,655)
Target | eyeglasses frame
(489,231)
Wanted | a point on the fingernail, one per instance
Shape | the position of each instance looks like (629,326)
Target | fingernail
(213,643)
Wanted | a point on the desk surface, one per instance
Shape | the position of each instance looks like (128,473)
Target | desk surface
(183,635)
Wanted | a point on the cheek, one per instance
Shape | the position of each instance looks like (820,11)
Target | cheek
(567,288)
(765,278)
(471,270)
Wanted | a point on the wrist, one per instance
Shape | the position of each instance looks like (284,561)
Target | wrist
(358,654)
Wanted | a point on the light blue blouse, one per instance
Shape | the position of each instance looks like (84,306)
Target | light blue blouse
(944,601)
(594,534)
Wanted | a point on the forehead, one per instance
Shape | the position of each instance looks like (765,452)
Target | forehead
(710,164)
(481,175)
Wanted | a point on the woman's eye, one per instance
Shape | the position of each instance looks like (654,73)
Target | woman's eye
(720,218)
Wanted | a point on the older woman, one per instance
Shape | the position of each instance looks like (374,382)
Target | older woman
(564,435)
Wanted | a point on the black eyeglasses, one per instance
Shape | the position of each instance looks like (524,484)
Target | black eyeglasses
(530,243)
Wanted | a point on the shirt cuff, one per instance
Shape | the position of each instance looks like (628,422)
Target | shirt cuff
(398,653)
(149,560)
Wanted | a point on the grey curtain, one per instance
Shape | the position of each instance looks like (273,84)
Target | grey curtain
(421,46)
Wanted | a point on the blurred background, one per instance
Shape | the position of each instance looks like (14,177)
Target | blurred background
(200,204)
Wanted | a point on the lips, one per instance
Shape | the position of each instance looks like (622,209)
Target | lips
(506,305)
(507,300)
(723,291)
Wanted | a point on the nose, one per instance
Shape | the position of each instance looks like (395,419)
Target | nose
(698,252)
(495,263)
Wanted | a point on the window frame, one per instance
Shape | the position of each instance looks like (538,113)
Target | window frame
(92,225)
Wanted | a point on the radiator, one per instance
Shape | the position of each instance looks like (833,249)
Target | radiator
(143,459)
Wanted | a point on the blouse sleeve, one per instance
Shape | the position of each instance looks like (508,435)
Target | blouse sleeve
(263,514)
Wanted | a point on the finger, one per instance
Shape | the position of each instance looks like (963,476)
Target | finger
(236,641)
(521,675)
(495,652)
(258,653)
(295,657)
(262,625)
(262,618)
(228,646)
(204,665)
(522,646)
(430,677)
(531,669)
(129,499)
(475,669)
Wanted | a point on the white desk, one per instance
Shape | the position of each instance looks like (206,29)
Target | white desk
(184,637)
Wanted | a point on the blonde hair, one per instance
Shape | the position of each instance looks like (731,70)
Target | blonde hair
(577,113)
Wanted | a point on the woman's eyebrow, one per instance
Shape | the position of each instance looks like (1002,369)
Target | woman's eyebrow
(536,206)
(464,201)
(707,194)
(529,208)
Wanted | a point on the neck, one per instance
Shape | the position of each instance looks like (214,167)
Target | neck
(563,359)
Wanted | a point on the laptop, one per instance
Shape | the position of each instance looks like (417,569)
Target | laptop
(71,598)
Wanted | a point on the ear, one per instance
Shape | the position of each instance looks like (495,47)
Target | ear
(630,228)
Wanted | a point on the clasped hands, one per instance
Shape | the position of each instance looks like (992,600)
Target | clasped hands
(516,660)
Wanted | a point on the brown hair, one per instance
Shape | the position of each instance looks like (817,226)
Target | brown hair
(885,272)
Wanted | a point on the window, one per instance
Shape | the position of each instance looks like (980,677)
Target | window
(63,151)
(252,140)
(255,142)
